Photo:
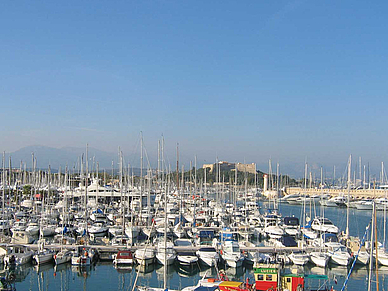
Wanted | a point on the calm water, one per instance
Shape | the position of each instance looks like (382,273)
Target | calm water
(105,277)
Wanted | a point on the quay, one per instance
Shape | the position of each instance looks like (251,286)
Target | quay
(357,194)
(106,251)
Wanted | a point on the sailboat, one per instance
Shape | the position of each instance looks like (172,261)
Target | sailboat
(320,258)
(43,255)
(64,255)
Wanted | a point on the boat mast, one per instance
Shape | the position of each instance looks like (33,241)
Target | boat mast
(3,186)
(348,200)
(121,190)
(141,175)
(385,205)
(86,192)
(371,247)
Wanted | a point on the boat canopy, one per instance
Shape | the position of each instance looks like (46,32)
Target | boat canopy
(288,241)
(329,237)
(293,221)
(206,233)
(203,288)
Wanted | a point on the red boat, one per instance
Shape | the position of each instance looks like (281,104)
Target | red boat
(123,257)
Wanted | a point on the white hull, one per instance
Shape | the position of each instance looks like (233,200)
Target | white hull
(341,260)
(234,263)
(62,258)
(20,259)
(161,259)
(383,258)
(210,261)
(319,259)
(144,257)
(299,259)
(123,261)
(81,261)
(187,260)
(363,258)
(43,258)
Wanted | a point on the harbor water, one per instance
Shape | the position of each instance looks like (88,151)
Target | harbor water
(103,276)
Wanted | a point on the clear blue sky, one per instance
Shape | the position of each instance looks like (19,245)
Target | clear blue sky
(235,79)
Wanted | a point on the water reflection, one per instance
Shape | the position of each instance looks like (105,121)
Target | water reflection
(20,272)
(188,271)
(82,271)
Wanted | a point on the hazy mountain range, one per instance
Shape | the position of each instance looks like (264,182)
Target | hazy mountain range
(71,156)
(61,157)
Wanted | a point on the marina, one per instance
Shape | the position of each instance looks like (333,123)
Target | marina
(143,228)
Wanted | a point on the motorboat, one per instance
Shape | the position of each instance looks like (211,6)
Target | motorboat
(338,253)
(300,259)
(63,257)
(43,255)
(186,258)
(324,225)
(83,256)
(145,256)
(231,254)
(208,255)
(165,254)
(291,226)
(123,257)
(18,255)
(320,259)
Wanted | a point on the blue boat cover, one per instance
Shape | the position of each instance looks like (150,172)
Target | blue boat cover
(288,241)
(291,221)
(202,288)
(206,233)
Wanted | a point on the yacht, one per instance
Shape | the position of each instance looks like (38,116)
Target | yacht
(145,256)
(324,225)
(231,254)
(63,257)
(338,253)
(165,254)
(123,257)
(300,258)
(18,255)
(186,258)
(320,259)
(208,255)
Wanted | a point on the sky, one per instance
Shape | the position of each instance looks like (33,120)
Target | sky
(238,80)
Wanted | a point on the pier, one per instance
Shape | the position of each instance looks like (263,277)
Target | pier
(359,194)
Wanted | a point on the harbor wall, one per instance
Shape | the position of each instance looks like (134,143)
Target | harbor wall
(361,193)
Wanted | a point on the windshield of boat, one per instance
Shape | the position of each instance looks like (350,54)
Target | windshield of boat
(326,221)
(343,249)
(183,243)
(207,249)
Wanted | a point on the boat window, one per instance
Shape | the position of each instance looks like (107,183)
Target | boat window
(236,249)
(268,278)
(327,222)
(260,277)
(288,280)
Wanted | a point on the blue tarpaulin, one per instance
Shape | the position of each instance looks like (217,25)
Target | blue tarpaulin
(202,288)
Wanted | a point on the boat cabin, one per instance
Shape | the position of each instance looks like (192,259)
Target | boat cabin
(291,221)
(125,254)
(233,286)
(293,282)
(266,276)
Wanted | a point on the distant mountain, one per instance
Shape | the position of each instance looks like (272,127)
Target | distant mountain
(56,158)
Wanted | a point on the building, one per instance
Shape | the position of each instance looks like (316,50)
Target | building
(226,166)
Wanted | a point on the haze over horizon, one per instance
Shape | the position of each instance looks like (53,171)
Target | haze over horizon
(286,80)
